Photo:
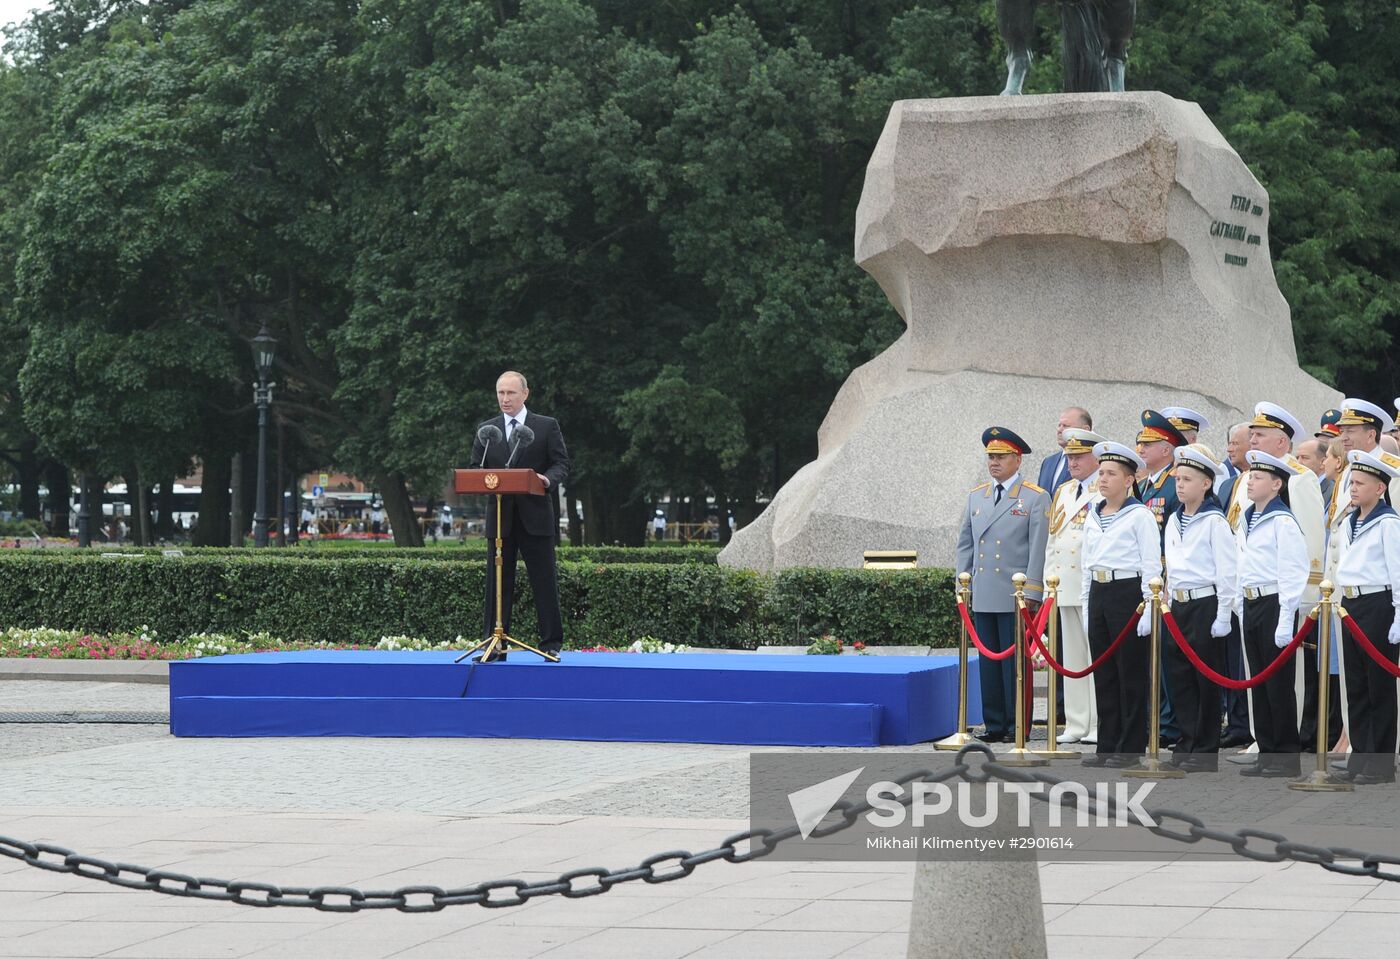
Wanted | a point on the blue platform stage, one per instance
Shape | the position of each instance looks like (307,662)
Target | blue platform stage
(753,699)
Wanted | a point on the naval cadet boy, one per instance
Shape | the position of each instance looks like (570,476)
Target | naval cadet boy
(1202,580)
(1369,579)
(1122,553)
(1069,508)
(1003,533)
(1273,576)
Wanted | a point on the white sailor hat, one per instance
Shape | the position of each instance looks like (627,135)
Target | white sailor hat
(1109,452)
(1197,458)
(1273,416)
(1374,465)
(1358,412)
(1184,419)
(1081,441)
(1394,425)
(1269,464)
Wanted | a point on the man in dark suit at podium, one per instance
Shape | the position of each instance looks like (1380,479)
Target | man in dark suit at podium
(529,524)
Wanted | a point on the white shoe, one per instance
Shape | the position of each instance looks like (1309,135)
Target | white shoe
(1067,739)
(1091,740)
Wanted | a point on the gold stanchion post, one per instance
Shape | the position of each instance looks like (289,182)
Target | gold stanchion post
(1320,779)
(1152,766)
(961,737)
(1052,748)
(1019,755)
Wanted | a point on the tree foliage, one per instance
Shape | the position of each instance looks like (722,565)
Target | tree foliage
(647,206)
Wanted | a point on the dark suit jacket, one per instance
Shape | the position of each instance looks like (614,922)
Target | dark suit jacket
(1049,468)
(535,515)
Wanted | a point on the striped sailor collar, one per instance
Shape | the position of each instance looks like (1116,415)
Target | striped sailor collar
(1211,504)
(1274,507)
(1382,510)
(1128,504)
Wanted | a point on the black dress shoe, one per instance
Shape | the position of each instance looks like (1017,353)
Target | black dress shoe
(1234,740)
(1122,762)
(499,656)
(1280,772)
(1199,763)
(1367,779)
(989,737)
(1253,769)
(1094,759)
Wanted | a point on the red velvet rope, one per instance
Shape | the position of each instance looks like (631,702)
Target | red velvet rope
(976,641)
(1365,643)
(1036,627)
(1044,654)
(1284,655)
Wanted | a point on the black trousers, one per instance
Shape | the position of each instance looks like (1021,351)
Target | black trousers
(538,552)
(1196,698)
(1121,685)
(1275,704)
(1371,702)
(1235,701)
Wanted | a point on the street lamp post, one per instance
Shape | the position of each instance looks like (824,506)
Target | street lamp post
(264,346)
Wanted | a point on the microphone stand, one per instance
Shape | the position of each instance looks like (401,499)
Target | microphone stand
(495,646)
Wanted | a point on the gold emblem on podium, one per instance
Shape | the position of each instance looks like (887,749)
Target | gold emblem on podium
(492,481)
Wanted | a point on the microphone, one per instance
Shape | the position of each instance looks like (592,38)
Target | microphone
(484,436)
(524,436)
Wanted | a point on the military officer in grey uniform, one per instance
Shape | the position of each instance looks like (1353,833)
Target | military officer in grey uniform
(1004,528)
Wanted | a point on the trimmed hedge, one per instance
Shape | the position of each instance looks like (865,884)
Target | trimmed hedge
(578,554)
(360,600)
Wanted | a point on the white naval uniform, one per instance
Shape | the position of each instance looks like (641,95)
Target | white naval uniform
(1339,510)
(1274,555)
(1369,556)
(1063,551)
(1205,555)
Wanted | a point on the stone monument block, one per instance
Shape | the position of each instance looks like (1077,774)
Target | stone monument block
(1109,251)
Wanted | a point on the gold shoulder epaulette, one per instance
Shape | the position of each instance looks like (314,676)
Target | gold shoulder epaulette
(1299,467)
(1390,459)
(978,489)
(1029,485)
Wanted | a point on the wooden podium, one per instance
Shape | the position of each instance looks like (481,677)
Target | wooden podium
(499,483)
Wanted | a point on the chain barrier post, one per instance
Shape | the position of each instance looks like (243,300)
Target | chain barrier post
(1052,748)
(1152,766)
(1019,755)
(1321,779)
(961,737)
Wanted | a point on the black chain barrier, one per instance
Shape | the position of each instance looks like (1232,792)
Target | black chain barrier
(675,864)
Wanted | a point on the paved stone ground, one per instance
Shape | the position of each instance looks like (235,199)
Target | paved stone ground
(377,813)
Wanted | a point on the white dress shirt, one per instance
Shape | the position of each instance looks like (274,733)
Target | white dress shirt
(1371,552)
(509,431)
(1006,485)
(1127,540)
(1201,551)
(1274,554)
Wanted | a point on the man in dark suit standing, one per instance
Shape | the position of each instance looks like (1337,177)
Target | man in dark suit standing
(1053,469)
(529,524)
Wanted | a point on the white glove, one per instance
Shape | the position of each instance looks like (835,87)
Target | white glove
(1145,622)
(1220,628)
(1283,635)
(1394,636)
